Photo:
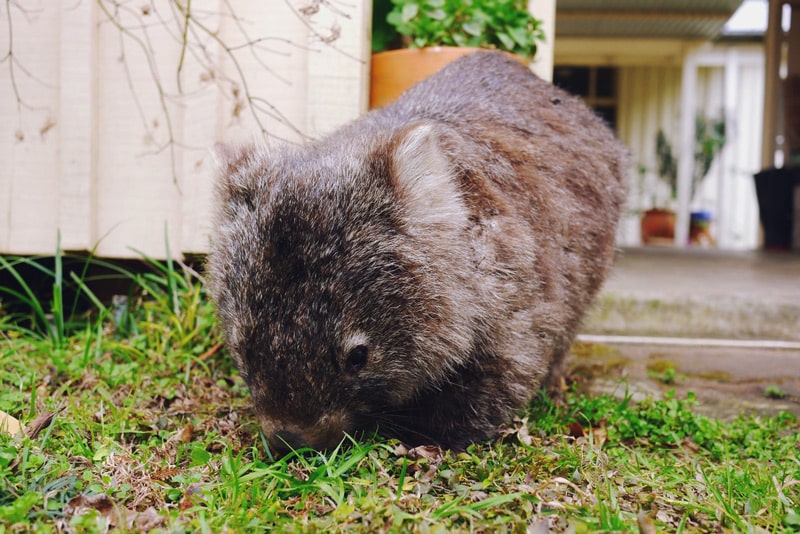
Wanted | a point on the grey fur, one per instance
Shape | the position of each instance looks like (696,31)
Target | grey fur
(423,270)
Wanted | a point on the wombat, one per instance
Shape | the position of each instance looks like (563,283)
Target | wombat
(421,271)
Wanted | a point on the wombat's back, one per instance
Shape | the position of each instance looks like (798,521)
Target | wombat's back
(542,171)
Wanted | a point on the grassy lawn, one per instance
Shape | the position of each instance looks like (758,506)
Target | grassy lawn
(136,420)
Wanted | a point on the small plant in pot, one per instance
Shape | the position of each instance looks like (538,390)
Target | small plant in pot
(658,223)
(412,39)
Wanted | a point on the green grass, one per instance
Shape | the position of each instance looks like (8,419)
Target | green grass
(153,430)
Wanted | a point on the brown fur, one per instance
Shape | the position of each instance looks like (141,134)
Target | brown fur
(423,270)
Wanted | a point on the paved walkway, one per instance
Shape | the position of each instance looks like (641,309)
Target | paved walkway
(664,292)
(658,272)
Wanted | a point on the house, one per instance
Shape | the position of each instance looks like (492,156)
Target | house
(653,66)
(106,115)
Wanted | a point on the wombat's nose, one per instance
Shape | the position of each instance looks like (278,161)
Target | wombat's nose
(284,441)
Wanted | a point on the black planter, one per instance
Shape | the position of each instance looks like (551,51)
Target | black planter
(775,192)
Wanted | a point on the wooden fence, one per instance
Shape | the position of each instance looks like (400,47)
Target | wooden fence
(108,107)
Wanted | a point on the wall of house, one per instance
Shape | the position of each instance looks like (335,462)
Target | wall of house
(108,109)
(730,84)
(730,78)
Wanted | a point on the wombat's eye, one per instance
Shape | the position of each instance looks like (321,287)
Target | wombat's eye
(357,358)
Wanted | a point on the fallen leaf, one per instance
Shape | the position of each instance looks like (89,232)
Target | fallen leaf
(600,435)
(519,431)
(146,521)
(575,429)
(9,425)
(432,453)
(115,515)
(646,523)
(542,526)
(41,422)
(81,504)
(185,434)
(164,473)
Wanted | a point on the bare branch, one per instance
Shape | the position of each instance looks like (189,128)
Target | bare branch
(187,15)
(313,8)
(145,46)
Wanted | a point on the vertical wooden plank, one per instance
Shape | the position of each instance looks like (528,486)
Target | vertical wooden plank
(747,161)
(338,72)
(76,90)
(686,149)
(256,86)
(137,192)
(545,10)
(199,121)
(629,231)
(772,55)
(725,237)
(28,181)
(269,73)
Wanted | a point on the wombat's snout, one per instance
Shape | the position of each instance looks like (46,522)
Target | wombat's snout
(285,438)
(284,441)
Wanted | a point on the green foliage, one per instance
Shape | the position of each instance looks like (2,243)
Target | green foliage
(501,24)
(153,430)
(774,392)
(709,138)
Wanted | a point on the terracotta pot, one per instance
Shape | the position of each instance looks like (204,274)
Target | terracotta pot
(395,71)
(658,226)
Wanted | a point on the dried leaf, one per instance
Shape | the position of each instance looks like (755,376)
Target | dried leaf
(431,453)
(41,422)
(114,515)
(81,504)
(540,527)
(146,521)
(164,473)
(185,434)
(518,431)
(600,435)
(575,429)
(9,425)
(646,523)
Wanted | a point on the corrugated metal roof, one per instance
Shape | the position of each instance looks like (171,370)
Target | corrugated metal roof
(685,19)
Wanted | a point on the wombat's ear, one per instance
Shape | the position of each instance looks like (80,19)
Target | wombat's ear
(228,158)
(235,179)
(424,179)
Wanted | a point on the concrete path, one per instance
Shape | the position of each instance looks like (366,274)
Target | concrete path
(659,272)
(690,294)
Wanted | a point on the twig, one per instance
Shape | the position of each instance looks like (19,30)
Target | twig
(184,42)
(156,79)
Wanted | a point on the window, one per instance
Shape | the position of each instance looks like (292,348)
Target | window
(596,85)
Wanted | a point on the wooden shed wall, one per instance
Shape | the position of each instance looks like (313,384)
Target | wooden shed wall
(107,111)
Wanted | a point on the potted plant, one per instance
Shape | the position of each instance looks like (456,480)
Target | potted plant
(430,33)
(658,222)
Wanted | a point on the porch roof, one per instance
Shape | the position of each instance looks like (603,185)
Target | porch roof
(681,19)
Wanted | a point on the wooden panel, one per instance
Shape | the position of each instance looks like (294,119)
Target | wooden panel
(75,121)
(111,144)
(136,198)
(334,70)
(30,132)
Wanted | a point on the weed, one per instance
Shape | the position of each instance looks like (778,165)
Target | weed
(774,392)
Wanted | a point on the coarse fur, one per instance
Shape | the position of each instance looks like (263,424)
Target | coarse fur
(421,271)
